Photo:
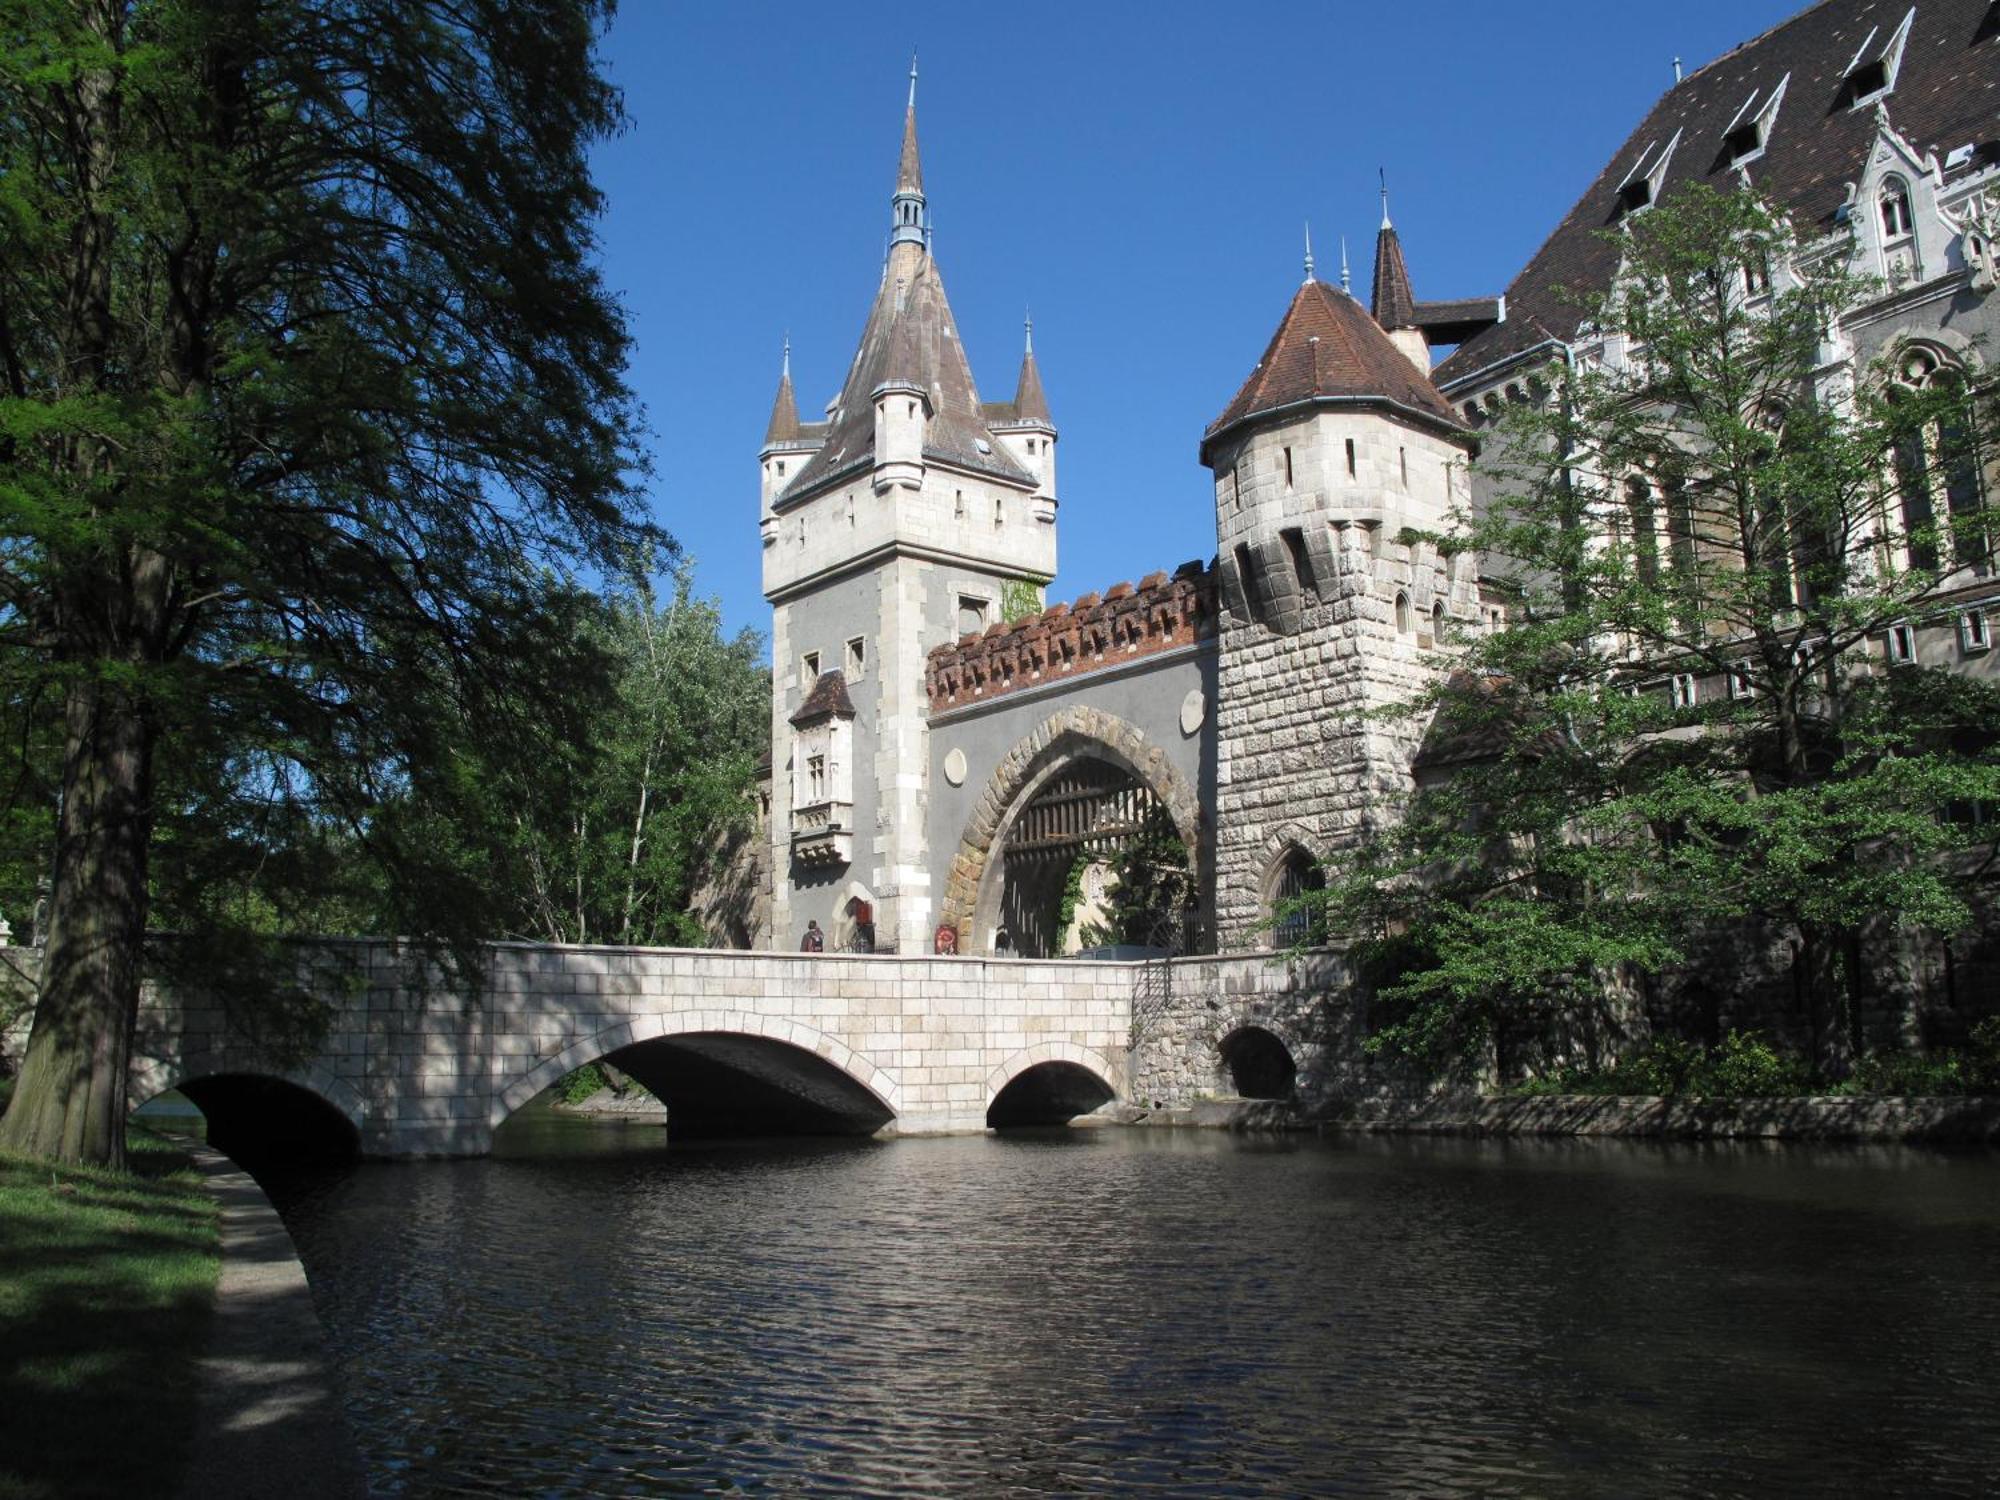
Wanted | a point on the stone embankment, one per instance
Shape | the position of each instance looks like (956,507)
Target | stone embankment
(1863,1117)
(269,1420)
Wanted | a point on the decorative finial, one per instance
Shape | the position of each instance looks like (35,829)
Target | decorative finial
(1309,250)
(1677,70)
(1027,332)
(913,78)
(1346,283)
(1384,176)
(787,370)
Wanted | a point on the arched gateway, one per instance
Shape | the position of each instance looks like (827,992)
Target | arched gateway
(1083,780)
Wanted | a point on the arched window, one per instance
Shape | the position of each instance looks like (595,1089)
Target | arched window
(1403,626)
(1437,622)
(1899,242)
(1296,874)
(1936,468)
(1895,204)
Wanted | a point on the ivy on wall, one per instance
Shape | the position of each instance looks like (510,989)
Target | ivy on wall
(1019,598)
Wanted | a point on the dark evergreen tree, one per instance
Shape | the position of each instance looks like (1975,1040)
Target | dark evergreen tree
(310,399)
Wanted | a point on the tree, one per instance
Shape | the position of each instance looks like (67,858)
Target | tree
(1689,721)
(309,384)
(612,854)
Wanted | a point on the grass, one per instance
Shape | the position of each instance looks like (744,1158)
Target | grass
(106,1282)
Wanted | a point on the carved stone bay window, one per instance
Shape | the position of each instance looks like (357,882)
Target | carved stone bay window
(823,775)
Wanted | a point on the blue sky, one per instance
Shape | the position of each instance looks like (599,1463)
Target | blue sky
(1137,175)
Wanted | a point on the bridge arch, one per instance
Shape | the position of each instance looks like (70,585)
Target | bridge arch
(151,1078)
(1064,739)
(1048,1083)
(876,1092)
(257,1114)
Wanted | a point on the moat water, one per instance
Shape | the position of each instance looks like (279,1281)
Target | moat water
(1135,1312)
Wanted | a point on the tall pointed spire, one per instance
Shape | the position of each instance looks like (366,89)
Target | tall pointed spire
(784,424)
(1309,250)
(1030,403)
(907,208)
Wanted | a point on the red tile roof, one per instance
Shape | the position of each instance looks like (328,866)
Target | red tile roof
(1328,348)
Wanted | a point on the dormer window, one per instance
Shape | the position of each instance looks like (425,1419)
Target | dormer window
(1641,187)
(1871,72)
(1744,140)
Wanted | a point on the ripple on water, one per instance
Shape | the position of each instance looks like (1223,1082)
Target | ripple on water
(1157,1313)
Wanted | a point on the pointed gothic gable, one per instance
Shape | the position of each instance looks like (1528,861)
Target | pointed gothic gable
(1328,349)
(1808,149)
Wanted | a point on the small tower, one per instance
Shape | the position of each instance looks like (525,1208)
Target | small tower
(1334,448)
(787,445)
(1028,429)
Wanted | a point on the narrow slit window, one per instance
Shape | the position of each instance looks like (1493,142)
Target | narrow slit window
(1350,458)
(1288,468)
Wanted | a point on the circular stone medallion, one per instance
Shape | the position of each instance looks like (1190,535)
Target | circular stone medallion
(954,767)
(1194,708)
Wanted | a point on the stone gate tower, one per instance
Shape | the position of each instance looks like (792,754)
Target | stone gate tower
(902,521)
(1335,447)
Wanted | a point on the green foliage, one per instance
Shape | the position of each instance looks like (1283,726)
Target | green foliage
(1691,512)
(576,1087)
(611,851)
(1744,1066)
(1972,1069)
(1152,903)
(1072,892)
(1020,598)
(308,367)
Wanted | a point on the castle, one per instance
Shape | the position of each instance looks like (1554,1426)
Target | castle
(947,753)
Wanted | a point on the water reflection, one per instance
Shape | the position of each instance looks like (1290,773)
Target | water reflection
(1162,1312)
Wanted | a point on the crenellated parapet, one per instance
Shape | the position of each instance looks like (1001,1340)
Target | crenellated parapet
(1069,640)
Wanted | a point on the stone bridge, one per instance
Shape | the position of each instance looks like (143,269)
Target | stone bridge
(756,1043)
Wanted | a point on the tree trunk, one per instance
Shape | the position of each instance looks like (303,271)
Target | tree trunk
(69,1104)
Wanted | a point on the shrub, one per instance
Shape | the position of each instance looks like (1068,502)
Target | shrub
(1746,1066)
(580,1085)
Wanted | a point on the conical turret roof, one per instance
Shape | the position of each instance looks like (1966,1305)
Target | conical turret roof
(784,424)
(1031,404)
(1327,349)
(1393,304)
